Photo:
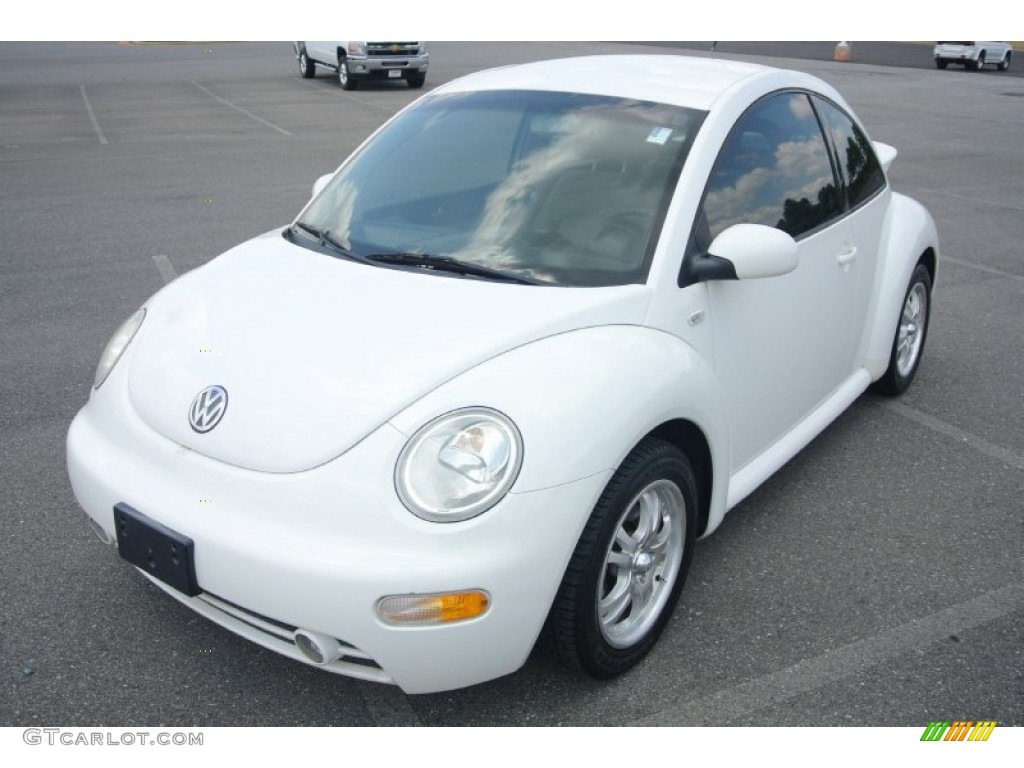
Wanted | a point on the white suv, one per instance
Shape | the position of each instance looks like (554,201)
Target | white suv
(356,60)
(973,55)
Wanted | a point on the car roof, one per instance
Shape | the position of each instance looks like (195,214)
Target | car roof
(681,80)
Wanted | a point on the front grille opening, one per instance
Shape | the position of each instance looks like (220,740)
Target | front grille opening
(280,630)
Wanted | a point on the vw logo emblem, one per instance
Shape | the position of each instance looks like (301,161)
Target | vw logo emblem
(208,408)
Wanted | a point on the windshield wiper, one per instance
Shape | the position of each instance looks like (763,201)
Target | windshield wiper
(448,264)
(324,237)
(307,228)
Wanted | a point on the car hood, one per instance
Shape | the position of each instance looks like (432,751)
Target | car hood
(316,352)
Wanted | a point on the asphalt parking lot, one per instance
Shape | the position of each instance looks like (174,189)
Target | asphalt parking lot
(875,580)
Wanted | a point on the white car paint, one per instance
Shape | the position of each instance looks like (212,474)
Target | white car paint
(332,366)
(756,251)
(389,364)
(976,54)
(383,60)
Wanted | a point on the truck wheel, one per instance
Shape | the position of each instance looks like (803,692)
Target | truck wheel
(416,81)
(347,82)
(306,66)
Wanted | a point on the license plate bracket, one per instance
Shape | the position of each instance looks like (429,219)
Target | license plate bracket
(393,73)
(161,552)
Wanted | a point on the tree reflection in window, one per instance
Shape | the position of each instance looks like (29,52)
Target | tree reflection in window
(862,173)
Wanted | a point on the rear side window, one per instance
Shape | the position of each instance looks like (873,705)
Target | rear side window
(855,157)
(774,170)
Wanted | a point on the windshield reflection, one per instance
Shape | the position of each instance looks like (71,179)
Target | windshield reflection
(561,188)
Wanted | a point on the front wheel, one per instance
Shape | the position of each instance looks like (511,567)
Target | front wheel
(416,81)
(345,79)
(1005,63)
(908,345)
(628,569)
(980,63)
(941,64)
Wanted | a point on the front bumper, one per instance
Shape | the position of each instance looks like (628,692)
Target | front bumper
(316,550)
(382,68)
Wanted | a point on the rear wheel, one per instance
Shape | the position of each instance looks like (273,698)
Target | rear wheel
(1005,63)
(630,562)
(908,345)
(941,64)
(980,63)
(307,68)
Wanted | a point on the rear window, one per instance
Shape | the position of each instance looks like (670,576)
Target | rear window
(861,171)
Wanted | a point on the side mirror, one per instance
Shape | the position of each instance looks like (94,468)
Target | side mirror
(754,250)
(319,184)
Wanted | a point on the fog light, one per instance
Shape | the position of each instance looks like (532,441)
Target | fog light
(412,610)
(320,649)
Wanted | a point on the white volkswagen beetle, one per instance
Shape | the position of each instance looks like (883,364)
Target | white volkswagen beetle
(543,329)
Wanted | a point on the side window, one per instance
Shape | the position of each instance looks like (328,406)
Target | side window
(774,169)
(856,159)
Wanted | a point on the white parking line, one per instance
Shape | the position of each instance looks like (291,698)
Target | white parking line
(979,444)
(244,111)
(92,116)
(982,268)
(387,705)
(724,706)
(166,269)
(334,93)
(974,199)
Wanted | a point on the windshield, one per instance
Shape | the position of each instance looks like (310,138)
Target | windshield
(557,188)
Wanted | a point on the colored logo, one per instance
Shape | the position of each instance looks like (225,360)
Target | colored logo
(960,730)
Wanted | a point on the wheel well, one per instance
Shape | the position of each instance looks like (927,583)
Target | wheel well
(341,54)
(688,437)
(928,259)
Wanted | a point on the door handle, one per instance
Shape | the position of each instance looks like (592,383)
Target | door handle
(846,256)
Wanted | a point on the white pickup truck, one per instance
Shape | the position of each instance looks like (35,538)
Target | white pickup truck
(355,61)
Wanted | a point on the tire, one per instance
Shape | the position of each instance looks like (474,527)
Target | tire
(911,332)
(416,81)
(941,64)
(307,67)
(630,563)
(979,64)
(1005,63)
(345,79)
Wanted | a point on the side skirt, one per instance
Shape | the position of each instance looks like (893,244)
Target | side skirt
(755,472)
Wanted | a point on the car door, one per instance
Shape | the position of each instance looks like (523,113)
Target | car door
(865,196)
(322,50)
(782,344)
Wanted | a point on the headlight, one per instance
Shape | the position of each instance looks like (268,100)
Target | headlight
(459,465)
(357,49)
(116,346)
